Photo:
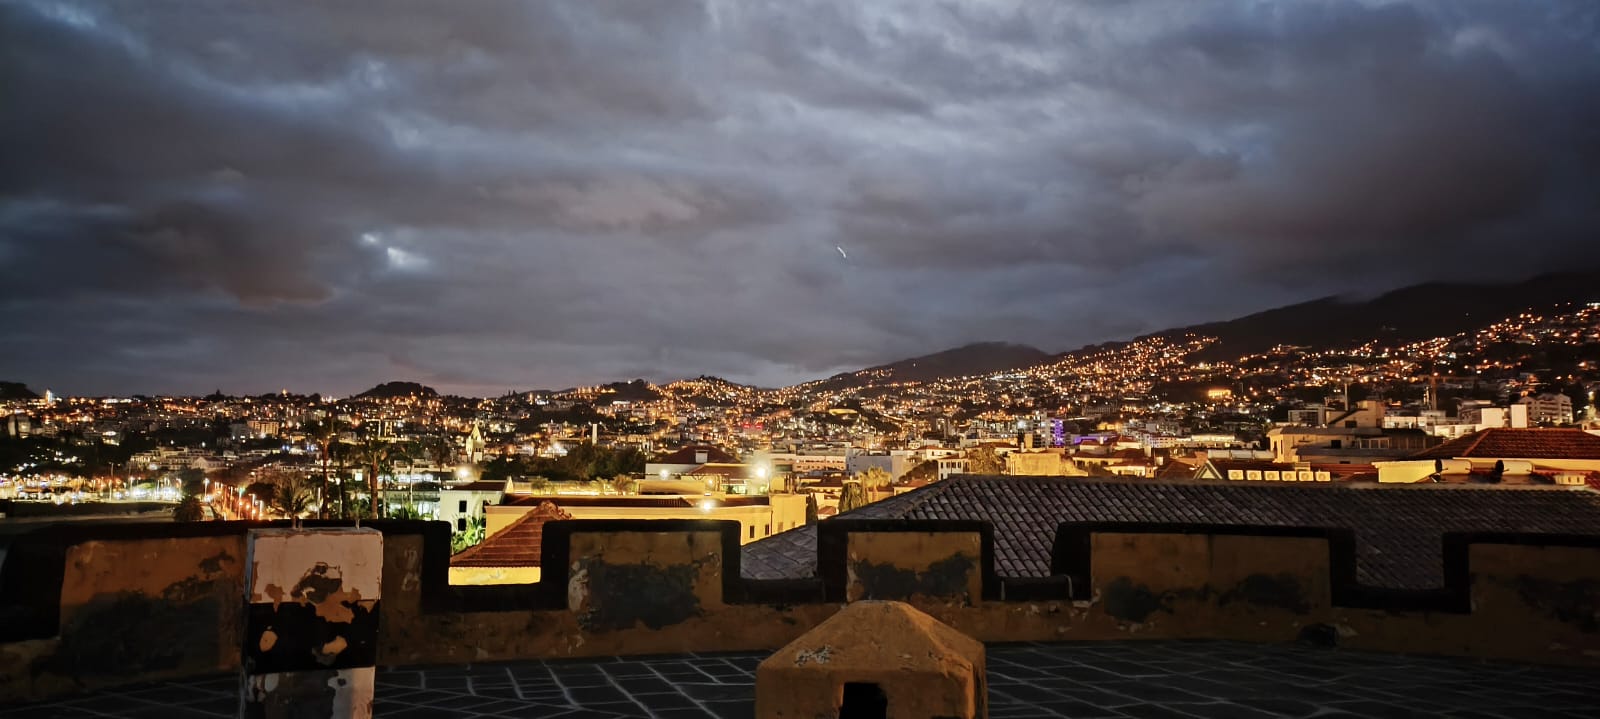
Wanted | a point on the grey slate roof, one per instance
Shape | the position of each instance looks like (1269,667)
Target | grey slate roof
(1398,527)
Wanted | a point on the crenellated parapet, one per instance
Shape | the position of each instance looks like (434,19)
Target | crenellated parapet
(84,606)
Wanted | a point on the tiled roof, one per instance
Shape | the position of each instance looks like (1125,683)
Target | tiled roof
(687,456)
(1175,469)
(637,501)
(516,544)
(1246,465)
(720,469)
(1345,471)
(590,500)
(478,486)
(1398,528)
(1506,443)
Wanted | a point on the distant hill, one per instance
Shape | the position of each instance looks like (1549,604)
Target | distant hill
(635,391)
(973,359)
(392,390)
(1418,312)
(16,390)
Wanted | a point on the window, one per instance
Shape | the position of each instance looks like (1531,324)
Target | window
(461,524)
(1337,443)
(1350,424)
(463,507)
(752,531)
(766,530)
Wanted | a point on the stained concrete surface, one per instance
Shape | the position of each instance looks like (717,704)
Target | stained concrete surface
(1086,679)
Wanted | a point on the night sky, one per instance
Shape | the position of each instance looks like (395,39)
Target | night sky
(486,196)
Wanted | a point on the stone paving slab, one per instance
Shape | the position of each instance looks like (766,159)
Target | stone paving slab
(1116,680)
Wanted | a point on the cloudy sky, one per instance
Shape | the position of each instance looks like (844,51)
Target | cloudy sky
(491,195)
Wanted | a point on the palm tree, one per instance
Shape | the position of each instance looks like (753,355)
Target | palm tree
(439,450)
(375,455)
(874,479)
(326,433)
(189,510)
(292,497)
(341,455)
(406,453)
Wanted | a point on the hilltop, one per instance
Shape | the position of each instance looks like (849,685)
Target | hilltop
(392,390)
(977,358)
(1418,312)
(16,390)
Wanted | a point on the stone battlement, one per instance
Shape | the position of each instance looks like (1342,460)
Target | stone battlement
(84,606)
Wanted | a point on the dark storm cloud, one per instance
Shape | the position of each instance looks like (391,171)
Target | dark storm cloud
(502,195)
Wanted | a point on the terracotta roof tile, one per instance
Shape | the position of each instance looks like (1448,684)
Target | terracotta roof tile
(687,455)
(1507,443)
(517,544)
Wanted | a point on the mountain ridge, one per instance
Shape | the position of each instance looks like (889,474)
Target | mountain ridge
(974,358)
(1405,314)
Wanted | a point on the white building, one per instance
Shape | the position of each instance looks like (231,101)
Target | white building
(896,462)
(1548,408)
(462,503)
(949,466)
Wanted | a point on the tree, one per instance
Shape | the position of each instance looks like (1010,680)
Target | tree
(983,460)
(439,451)
(342,454)
(293,496)
(852,496)
(262,490)
(874,479)
(622,484)
(191,480)
(406,453)
(326,433)
(925,471)
(376,456)
(811,508)
(189,510)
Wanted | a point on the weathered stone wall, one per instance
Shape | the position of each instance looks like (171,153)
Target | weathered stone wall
(929,567)
(641,587)
(1256,588)
(159,607)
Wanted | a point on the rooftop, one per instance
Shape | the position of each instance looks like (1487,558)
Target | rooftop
(1398,528)
(482,485)
(688,455)
(1093,679)
(516,544)
(1507,443)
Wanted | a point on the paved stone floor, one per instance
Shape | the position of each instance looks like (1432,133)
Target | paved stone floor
(1143,680)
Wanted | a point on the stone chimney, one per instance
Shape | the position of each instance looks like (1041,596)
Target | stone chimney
(883,659)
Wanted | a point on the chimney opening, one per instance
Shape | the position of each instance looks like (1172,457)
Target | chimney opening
(864,700)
